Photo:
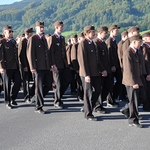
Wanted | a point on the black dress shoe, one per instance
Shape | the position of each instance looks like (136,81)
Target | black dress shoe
(91,118)
(40,111)
(33,99)
(135,125)
(82,109)
(58,105)
(124,112)
(8,106)
(14,103)
(80,99)
(100,110)
(61,102)
(27,101)
(113,105)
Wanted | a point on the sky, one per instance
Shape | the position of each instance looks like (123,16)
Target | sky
(3,2)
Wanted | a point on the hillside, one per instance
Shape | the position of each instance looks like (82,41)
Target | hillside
(76,13)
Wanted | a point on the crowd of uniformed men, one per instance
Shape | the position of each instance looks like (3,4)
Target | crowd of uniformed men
(97,69)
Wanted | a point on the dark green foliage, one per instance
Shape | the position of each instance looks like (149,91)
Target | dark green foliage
(76,13)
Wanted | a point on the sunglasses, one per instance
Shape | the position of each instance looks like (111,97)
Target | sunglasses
(11,31)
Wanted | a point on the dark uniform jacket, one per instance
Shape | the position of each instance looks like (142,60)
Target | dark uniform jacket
(8,54)
(22,50)
(68,54)
(125,45)
(74,58)
(146,53)
(88,59)
(132,70)
(38,54)
(120,52)
(57,51)
(113,48)
(103,54)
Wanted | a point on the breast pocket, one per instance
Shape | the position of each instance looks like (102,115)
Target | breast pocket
(7,47)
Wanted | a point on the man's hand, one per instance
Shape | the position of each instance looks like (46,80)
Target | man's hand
(113,69)
(87,79)
(2,71)
(54,69)
(25,69)
(148,77)
(136,86)
(104,73)
(33,71)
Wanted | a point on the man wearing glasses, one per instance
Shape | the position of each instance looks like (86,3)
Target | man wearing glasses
(9,67)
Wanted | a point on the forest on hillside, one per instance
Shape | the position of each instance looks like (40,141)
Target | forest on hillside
(76,13)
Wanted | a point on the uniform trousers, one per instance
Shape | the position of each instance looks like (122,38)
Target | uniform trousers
(92,91)
(106,88)
(73,84)
(62,80)
(27,90)
(136,97)
(79,87)
(11,77)
(148,90)
(115,87)
(1,83)
(43,83)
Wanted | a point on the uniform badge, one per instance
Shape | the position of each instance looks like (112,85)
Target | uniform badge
(132,50)
(39,45)
(100,41)
(7,40)
(137,60)
(92,51)
(58,44)
(6,47)
(88,41)
(103,52)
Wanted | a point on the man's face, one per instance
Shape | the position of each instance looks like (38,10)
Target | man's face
(30,34)
(130,34)
(137,44)
(91,34)
(115,32)
(59,29)
(73,40)
(80,39)
(8,33)
(124,37)
(40,29)
(135,33)
(103,34)
(147,39)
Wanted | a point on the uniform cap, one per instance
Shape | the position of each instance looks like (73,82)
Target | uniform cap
(58,23)
(7,27)
(103,28)
(147,34)
(124,33)
(135,38)
(134,28)
(39,23)
(114,26)
(88,28)
(74,36)
(28,30)
(81,35)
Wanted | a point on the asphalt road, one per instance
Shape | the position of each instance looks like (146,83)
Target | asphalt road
(23,129)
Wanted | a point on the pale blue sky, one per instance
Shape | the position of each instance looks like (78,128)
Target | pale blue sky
(3,2)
